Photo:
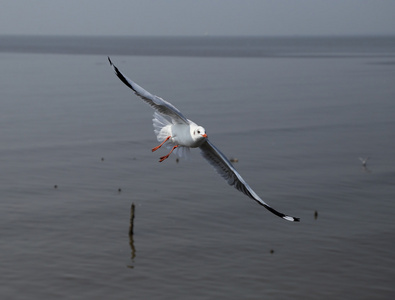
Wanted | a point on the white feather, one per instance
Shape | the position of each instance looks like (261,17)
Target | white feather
(162,127)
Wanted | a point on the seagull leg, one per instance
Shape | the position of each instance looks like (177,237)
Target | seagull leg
(157,147)
(166,156)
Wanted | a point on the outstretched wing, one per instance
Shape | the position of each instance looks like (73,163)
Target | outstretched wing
(156,102)
(224,168)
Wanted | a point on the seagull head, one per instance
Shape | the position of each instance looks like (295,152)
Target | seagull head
(199,133)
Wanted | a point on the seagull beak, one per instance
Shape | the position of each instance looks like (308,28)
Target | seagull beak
(204,135)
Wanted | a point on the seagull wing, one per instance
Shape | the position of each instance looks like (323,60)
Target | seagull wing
(160,105)
(225,168)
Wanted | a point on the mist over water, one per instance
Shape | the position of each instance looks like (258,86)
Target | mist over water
(297,113)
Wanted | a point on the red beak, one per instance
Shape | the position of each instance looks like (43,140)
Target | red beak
(204,135)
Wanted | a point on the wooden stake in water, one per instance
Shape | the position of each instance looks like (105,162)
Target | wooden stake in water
(131,240)
(131,220)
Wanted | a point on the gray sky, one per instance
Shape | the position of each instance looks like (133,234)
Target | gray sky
(197,17)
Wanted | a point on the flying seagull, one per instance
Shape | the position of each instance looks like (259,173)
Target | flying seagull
(364,161)
(181,134)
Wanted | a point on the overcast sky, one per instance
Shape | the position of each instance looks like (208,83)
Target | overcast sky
(197,17)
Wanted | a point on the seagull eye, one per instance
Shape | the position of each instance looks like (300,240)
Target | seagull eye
(198,131)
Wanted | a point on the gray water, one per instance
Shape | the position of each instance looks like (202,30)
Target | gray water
(297,118)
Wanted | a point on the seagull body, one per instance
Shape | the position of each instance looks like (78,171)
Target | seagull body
(180,134)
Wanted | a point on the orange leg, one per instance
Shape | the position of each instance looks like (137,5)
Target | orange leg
(166,156)
(157,147)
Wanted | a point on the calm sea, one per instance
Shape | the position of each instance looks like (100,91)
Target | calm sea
(297,113)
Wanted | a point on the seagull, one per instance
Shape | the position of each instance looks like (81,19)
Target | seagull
(180,134)
(364,160)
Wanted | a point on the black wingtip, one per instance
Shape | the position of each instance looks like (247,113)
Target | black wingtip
(289,218)
(120,75)
(277,213)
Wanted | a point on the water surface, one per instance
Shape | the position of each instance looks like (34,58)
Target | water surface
(296,118)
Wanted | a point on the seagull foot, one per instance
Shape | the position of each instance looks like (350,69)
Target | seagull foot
(167,156)
(163,158)
(157,147)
